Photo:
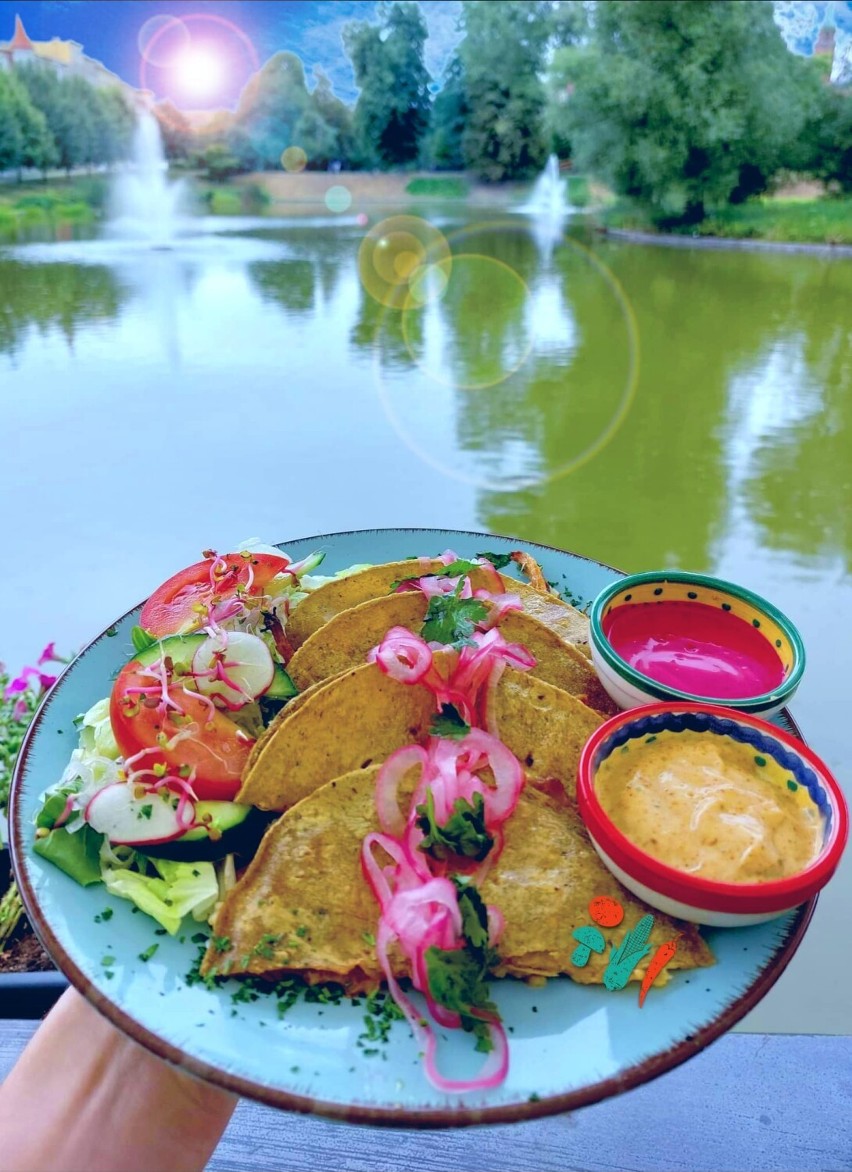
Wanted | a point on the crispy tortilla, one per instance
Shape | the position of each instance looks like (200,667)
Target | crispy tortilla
(344,593)
(304,906)
(345,641)
(353,721)
(359,718)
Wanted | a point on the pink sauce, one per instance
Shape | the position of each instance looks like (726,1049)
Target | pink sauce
(694,648)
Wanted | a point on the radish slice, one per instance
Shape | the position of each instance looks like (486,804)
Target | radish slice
(233,668)
(132,821)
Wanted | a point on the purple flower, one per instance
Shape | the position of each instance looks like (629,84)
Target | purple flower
(48,655)
(21,710)
(22,682)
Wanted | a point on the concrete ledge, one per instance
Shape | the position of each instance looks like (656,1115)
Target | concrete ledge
(724,242)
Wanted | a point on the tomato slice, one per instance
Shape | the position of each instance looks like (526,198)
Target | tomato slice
(215,747)
(181,604)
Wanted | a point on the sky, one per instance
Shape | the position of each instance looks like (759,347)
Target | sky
(109,31)
(239,35)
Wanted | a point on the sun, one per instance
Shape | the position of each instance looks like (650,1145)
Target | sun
(200,71)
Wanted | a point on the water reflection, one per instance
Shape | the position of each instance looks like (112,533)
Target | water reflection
(252,386)
(54,296)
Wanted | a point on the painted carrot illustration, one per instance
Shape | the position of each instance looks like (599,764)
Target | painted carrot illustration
(658,962)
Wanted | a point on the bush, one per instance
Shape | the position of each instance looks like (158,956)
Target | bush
(438,187)
(224,203)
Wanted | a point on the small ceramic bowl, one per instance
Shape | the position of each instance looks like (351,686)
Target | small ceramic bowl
(670,635)
(679,893)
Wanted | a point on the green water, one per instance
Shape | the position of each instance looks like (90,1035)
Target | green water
(642,406)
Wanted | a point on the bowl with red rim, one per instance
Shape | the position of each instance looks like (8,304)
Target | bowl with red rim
(673,635)
(694,897)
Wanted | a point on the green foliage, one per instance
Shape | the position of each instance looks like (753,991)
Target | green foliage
(502,56)
(217,162)
(69,122)
(392,111)
(336,114)
(269,111)
(443,146)
(811,221)
(681,105)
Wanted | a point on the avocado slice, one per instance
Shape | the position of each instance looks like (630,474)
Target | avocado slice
(237,829)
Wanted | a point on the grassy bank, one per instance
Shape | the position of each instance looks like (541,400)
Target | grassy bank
(788,221)
(33,208)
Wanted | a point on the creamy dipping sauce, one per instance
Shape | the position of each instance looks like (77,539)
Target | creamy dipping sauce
(694,648)
(710,806)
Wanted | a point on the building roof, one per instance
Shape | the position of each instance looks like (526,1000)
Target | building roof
(20,40)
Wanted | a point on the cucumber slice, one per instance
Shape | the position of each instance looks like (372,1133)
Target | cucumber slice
(179,648)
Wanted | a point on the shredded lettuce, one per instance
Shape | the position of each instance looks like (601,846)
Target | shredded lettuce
(177,890)
(96,732)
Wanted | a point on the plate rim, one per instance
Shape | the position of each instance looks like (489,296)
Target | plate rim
(386,1116)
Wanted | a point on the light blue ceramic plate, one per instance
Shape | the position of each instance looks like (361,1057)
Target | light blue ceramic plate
(570,1045)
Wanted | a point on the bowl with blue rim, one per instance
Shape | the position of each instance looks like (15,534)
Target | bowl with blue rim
(675,635)
(660,844)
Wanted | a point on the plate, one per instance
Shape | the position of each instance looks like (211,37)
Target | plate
(570,1045)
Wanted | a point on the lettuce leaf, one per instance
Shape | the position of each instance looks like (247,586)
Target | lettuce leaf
(177,890)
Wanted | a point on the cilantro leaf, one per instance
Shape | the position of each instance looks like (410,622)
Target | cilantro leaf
(449,724)
(498,560)
(463,834)
(458,980)
(452,619)
(474,915)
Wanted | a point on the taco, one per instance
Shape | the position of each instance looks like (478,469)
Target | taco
(359,718)
(304,906)
(346,639)
(378,581)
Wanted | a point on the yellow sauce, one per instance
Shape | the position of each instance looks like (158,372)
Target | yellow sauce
(710,806)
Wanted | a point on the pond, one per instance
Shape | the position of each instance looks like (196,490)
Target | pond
(642,406)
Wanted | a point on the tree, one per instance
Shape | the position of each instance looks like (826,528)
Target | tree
(175,130)
(23,123)
(269,110)
(113,125)
(683,105)
(392,111)
(449,116)
(218,162)
(336,114)
(11,137)
(502,56)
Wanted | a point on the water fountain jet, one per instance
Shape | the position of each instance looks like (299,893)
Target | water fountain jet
(146,205)
(549,199)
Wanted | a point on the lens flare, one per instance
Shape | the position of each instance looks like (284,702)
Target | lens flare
(161,38)
(294,159)
(546,420)
(479,290)
(393,256)
(338,198)
(201,71)
(164,39)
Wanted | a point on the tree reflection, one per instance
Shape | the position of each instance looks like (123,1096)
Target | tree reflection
(660,492)
(54,295)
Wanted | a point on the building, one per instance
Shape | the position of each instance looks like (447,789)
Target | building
(66,58)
